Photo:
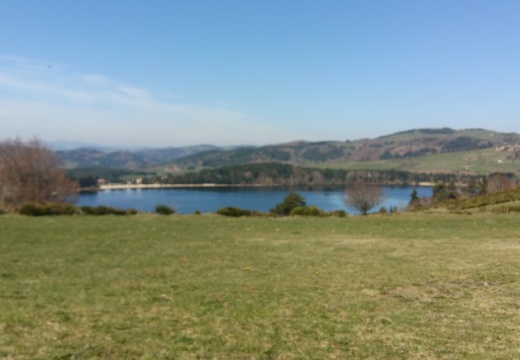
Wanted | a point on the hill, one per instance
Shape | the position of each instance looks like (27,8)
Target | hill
(413,150)
(443,150)
(133,160)
(506,201)
(483,161)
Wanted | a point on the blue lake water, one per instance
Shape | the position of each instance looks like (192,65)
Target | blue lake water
(188,200)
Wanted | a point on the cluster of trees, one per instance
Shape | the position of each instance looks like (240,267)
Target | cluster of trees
(88,177)
(241,155)
(409,154)
(276,174)
(318,154)
(442,191)
(31,173)
(466,143)
(429,131)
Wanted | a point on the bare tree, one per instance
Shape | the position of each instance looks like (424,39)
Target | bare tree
(498,182)
(31,173)
(363,197)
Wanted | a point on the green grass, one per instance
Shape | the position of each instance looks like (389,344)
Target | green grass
(484,161)
(407,286)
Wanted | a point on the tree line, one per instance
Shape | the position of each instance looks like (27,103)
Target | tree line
(276,174)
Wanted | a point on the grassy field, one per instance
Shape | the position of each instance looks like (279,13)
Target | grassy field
(406,286)
(484,161)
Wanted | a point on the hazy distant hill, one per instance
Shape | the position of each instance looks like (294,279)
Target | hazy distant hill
(403,145)
(139,159)
(417,150)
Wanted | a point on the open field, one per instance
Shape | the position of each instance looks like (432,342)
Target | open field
(484,161)
(406,286)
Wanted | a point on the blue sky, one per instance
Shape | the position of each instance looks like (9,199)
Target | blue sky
(230,72)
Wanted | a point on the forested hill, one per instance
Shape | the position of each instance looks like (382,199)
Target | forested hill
(120,159)
(402,145)
(396,151)
(276,174)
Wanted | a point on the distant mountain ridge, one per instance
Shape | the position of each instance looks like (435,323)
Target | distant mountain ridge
(406,144)
(410,144)
(125,159)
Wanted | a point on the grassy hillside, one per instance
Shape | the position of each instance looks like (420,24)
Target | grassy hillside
(446,150)
(503,201)
(484,161)
(420,150)
(407,286)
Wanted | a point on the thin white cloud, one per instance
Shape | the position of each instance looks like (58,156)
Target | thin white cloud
(53,102)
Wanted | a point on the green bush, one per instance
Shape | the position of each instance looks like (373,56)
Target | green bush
(235,212)
(197,212)
(164,209)
(49,209)
(106,210)
(338,213)
(62,209)
(2,211)
(316,211)
(291,201)
(32,210)
(307,211)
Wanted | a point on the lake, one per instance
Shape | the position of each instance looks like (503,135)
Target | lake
(188,200)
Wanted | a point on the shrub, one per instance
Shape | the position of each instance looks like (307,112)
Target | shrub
(32,210)
(106,210)
(49,209)
(61,209)
(164,209)
(2,211)
(307,211)
(98,210)
(316,211)
(234,212)
(383,210)
(338,213)
(197,212)
(291,201)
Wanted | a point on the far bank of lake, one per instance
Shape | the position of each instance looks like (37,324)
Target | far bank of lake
(187,200)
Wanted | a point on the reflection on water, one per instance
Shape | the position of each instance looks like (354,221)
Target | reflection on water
(188,200)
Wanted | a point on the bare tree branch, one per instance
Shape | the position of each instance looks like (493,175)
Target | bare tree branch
(363,197)
(31,173)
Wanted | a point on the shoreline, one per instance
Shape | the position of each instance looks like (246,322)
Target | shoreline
(159,186)
(207,185)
